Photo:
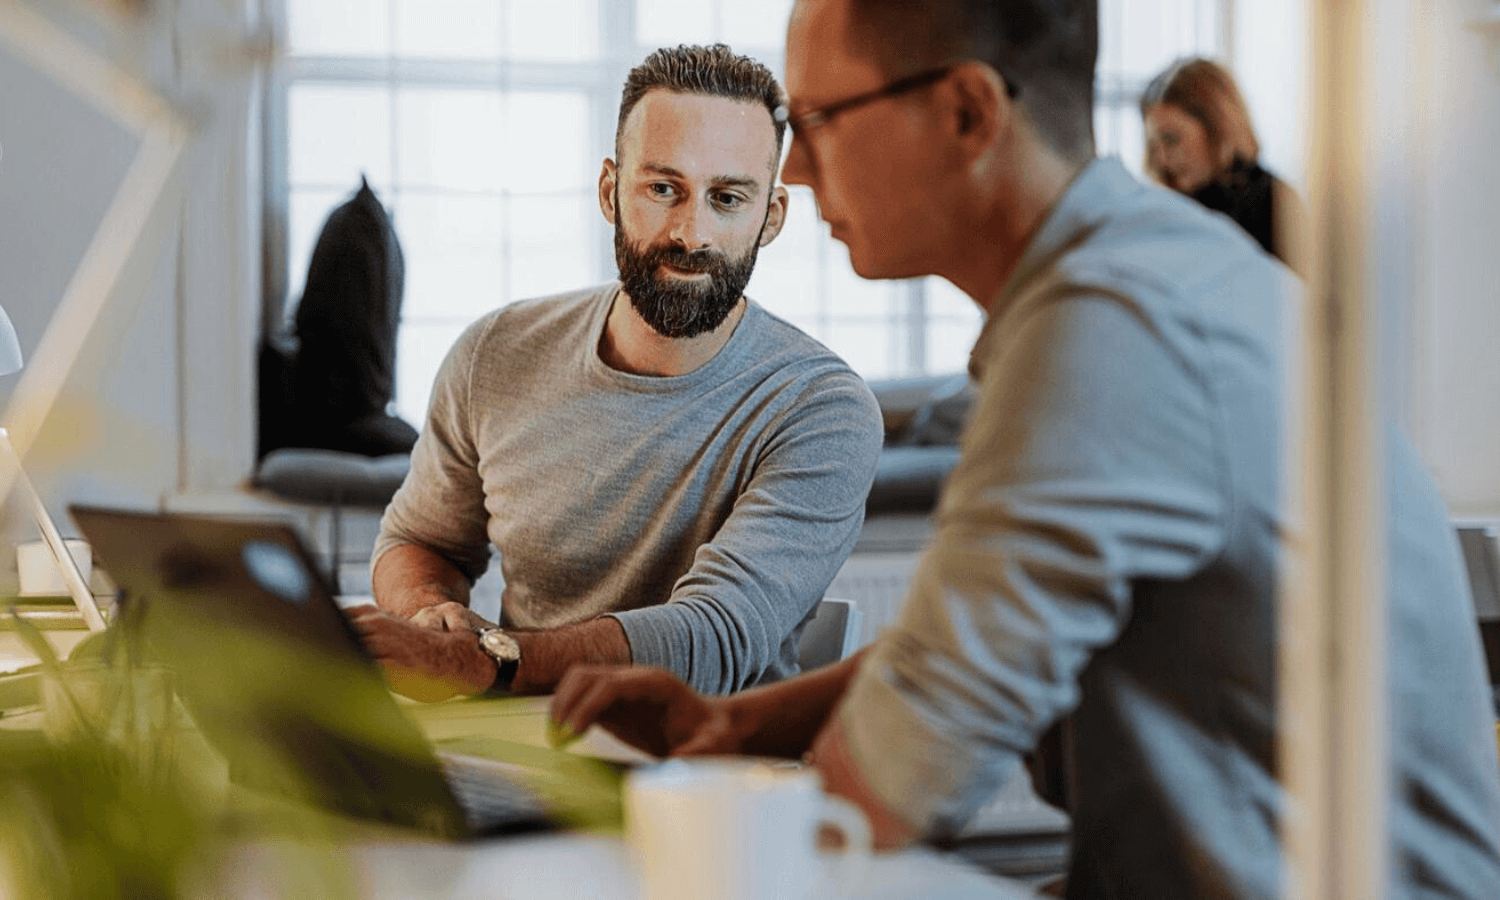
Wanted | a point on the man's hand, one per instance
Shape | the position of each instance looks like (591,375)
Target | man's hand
(648,708)
(449,616)
(423,663)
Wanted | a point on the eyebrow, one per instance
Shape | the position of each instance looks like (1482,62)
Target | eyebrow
(739,181)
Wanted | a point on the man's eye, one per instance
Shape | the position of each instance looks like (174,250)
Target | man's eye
(661,189)
(729,201)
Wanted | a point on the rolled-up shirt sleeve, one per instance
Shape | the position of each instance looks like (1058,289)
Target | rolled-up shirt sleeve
(1090,462)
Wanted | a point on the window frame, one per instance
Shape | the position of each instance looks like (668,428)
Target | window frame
(910,320)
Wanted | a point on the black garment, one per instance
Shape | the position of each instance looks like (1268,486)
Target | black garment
(344,373)
(1249,195)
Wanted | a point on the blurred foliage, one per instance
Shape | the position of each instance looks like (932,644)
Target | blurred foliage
(118,796)
(106,809)
(124,795)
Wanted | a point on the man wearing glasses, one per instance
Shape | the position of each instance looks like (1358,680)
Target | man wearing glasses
(671,474)
(1108,545)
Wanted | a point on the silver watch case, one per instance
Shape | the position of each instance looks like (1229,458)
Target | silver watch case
(499,645)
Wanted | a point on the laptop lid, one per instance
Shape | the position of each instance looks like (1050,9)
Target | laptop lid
(268,665)
(67,567)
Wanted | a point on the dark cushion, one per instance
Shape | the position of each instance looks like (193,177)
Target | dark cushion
(909,479)
(332,476)
(278,423)
(346,327)
(924,410)
(941,418)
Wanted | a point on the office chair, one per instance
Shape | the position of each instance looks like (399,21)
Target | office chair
(831,634)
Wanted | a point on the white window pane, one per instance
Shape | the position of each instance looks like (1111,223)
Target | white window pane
(553,30)
(949,342)
(756,26)
(851,296)
(1141,41)
(1108,64)
(338,28)
(788,274)
(552,245)
(454,248)
(448,29)
(1132,138)
(547,144)
(866,346)
(946,301)
(667,23)
(420,348)
(307,210)
(336,133)
(784,288)
(450,139)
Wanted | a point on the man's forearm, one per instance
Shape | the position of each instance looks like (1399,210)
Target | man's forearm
(409,578)
(783,719)
(547,655)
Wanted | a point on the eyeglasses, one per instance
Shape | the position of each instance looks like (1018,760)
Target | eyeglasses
(817,118)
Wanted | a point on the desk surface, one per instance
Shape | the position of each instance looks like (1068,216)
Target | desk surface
(561,865)
(570,867)
(595,866)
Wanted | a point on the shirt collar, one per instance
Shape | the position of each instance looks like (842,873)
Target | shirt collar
(1082,207)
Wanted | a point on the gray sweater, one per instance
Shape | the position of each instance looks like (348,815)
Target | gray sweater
(706,512)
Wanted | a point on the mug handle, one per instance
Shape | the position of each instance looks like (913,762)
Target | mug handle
(845,866)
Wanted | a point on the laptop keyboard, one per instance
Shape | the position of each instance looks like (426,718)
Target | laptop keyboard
(491,796)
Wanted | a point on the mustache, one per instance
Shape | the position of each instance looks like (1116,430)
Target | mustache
(708,261)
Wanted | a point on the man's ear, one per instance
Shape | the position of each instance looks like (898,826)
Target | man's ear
(607,176)
(775,215)
(978,106)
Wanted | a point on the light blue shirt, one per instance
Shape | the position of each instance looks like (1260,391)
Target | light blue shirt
(1108,546)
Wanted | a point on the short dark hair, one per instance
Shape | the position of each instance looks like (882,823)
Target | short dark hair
(1044,49)
(715,70)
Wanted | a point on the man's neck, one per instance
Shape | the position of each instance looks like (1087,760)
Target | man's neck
(992,239)
(630,345)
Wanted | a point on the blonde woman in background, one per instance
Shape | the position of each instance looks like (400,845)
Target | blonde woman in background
(1200,142)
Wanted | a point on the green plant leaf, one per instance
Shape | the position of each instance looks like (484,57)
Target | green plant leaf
(35,641)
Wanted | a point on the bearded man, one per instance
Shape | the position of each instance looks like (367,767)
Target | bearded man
(671,474)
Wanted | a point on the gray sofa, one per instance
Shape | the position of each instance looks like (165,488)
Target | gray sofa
(923,418)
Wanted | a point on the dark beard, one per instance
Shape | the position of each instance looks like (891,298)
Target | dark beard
(681,309)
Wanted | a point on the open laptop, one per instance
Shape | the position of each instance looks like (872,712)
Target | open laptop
(67,567)
(275,676)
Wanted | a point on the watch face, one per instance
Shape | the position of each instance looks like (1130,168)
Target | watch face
(500,645)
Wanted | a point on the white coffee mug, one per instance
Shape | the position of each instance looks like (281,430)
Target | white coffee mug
(728,828)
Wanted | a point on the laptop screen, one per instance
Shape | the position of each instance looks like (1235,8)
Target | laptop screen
(269,667)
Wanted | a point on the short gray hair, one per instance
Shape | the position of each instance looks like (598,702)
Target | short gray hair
(1044,49)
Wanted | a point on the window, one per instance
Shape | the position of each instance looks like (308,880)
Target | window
(1134,47)
(481,125)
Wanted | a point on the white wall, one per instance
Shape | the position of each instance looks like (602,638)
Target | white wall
(1269,51)
(161,398)
(1434,124)
(1456,332)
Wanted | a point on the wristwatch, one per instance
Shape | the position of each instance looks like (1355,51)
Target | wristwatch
(506,653)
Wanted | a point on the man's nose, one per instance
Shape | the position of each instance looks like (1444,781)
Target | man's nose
(798,167)
(690,227)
